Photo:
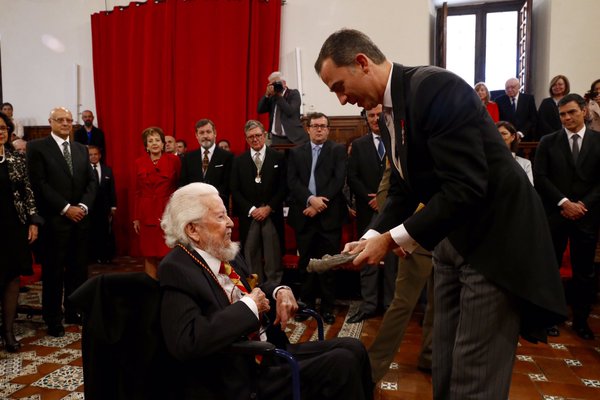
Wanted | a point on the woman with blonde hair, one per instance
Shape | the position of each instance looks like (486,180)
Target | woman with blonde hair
(484,95)
(548,119)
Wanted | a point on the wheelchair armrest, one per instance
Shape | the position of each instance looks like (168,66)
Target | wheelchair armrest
(251,347)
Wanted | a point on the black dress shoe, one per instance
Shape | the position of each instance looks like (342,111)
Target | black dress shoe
(553,331)
(359,316)
(583,331)
(328,318)
(56,330)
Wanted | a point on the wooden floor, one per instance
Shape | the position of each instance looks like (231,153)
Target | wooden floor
(567,368)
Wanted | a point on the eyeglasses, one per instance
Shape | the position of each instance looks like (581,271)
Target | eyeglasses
(4,128)
(318,126)
(62,120)
(254,137)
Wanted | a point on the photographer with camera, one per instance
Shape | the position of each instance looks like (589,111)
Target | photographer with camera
(283,106)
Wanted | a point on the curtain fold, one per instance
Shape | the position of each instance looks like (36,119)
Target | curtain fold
(171,63)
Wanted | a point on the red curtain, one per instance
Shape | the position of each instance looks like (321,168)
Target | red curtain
(171,63)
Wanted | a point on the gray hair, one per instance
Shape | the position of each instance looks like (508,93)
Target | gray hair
(185,205)
(251,124)
(276,75)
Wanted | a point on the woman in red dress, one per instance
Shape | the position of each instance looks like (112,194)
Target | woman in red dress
(484,95)
(157,177)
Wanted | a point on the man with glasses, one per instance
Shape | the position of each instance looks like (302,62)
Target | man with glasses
(258,191)
(316,176)
(65,187)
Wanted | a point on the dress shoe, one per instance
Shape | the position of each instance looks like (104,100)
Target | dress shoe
(553,331)
(359,316)
(583,331)
(328,318)
(11,345)
(56,330)
(424,369)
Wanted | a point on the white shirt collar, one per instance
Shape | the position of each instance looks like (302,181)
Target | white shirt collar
(213,263)
(261,152)
(59,141)
(387,95)
(211,149)
(580,133)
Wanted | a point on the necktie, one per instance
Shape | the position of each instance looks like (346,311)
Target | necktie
(227,269)
(96,174)
(277,121)
(380,148)
(389,122)
(67,155)
(205,162)
(513,102)
(257,162)
(312,185)
(575,147)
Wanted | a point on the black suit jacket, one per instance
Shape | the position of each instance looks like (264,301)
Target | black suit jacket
(557,176)
(524,118)
(246,193)
(330,175)
(217,174)
(475,194)
(51,180)
(106,197)
(289,104)
(97,138)
(198,323)
(548,119)
(365,170)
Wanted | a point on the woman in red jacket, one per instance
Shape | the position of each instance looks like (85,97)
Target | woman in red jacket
(484,95)
(157,177)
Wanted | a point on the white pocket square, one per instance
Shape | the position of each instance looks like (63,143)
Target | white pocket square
(218,166)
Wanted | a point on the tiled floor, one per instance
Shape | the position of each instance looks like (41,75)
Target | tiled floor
(567,368)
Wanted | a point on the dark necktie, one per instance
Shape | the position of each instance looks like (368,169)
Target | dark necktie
(96,173)
(205,162)
(513,102)
(67,155)
(277,122)
(575,149)
(380,148)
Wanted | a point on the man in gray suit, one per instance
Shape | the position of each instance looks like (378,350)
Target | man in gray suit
(283,106)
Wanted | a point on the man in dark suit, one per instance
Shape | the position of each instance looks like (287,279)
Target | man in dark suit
(316,176)
(257,192)
(567,176)
(208,164)
(446,153)
(369,150)
(102,241)
(208,304)
(65,189)
(283,106)
(88,134)
(518,109)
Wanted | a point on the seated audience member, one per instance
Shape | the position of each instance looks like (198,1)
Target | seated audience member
(224,145)
(207,306)
(593,106)
(170,144)
(484,95)
(512,139)
(18,132)
(518,108)
(20,145)
(180,147)
(548,119)
(101,214)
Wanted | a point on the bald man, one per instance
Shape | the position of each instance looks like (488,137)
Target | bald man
(518,109)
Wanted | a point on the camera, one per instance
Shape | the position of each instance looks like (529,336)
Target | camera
(278,86)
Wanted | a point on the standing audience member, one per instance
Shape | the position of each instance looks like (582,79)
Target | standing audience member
(369,150)
(316,176)
(566,171)
(18,132)
(283,105)
(180,147)
(512,139)
(446,153)
(20,145)
(518,109)
(593,106)
(157,175)
(257,192)
(548,119)
(209,164)
(208,305)
(90,135)
(102,246)
(224,144)
(170,144)
(65,188)
(484,95)
(19,222)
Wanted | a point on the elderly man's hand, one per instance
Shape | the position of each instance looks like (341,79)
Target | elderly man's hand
(260,299)
(286,307)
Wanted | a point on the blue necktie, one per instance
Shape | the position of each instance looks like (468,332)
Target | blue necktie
(380,148)
(312,186)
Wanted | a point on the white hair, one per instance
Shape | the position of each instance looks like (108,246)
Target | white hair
(186,205)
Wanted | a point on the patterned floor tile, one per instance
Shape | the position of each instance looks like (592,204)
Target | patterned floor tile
(591,383)
(573,363)
(9,388)
(394,365)
(299,329)
(49,341)
(388,385)
(10,367)
(558,346)
(74,396)
(62,356)
(67,377)
(525,358)
(547,397)
(538,377)
(32,397)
